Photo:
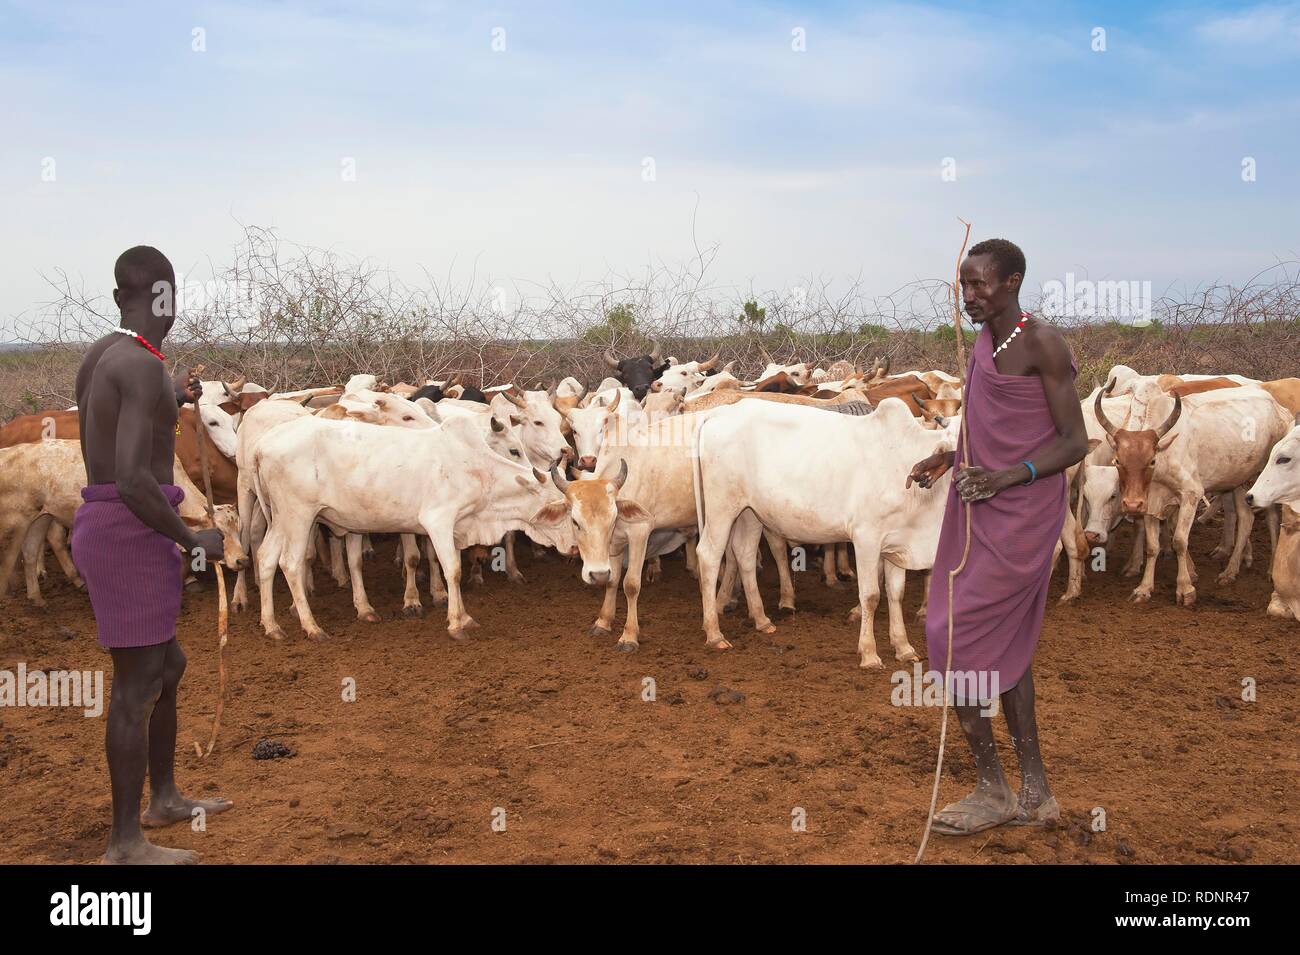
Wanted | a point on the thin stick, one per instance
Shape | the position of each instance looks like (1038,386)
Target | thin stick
(222,610)
(965,553)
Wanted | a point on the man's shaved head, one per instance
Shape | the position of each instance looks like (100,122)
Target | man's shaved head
(138,268)
(1006,256)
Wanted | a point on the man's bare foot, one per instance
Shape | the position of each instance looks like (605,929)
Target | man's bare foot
(180,809)
(145,852)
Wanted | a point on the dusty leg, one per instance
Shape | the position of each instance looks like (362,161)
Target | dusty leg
(895,581)
(458,621)
(33,548)
(359,598)
(692,564)
(1076,550)
(781,556)
(928,576)
(268,559)
(512,569)
(713,543)
(1223,502)
(410,552)
(166,804)
(57,538)
(14,530)
(829,577)
(1151,529)
(338,565)
(1186,591)
(437,589)
(1018,704)
(638,536)
(745,535)
(604,624)
(868,598)
(294,558)
(1245,523)
(1135,560)
(842,565)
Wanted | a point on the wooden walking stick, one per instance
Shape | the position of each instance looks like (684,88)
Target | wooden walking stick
(222,610)
(965,553)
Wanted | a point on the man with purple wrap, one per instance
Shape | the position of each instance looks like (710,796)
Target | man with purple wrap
(124,543)
(1025,428)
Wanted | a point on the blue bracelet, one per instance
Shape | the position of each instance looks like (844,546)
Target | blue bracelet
(1033,472)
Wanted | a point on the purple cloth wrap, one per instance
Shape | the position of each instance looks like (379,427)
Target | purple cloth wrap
(132,573)
(1000,595)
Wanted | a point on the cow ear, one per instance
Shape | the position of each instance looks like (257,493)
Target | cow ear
(1167,440)
(249,398)
(632,513)
(230,407)
(1093,444)
(552,513)
(663,368)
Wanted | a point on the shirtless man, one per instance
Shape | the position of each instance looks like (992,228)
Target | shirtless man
(124,541)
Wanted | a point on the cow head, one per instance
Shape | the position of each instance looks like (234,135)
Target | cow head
(225,518)
(594,510)
(1101,502)
(637,374)
(685,376)
(1135,453)
(587,426)
(220,426)
(1279,482)
(540,426)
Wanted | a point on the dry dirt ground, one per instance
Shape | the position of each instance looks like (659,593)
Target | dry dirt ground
(1139,706)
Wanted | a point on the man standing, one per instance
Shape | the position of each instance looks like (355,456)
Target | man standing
(124,541)
(1025,428)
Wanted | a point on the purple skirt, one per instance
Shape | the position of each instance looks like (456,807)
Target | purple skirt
(132,573)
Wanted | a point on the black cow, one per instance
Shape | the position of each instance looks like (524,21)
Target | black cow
(637,374)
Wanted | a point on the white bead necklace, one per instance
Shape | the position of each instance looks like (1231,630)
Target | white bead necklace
(1010,338)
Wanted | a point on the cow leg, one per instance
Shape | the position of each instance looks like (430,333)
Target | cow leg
(477,555)
(828,566)
(15,529)
(339,566)
(653,570)
(925,595)
(359,598)
(842,566)
(1076,549)
(727,586)
(437,589)
(444,544)
(781,555)
(1273,517)
(57,537)
(1150,528)
(256,533)
(868,600)
(638,537)
(512,569)
(895,582)
(33,548)
(1228,539)
(1245,523)
(604,624)
(409,553)
(714,538)
(745,535)
(295,554)
(268,558)
(692,563)
(1185,594)
(367,548)
(245,505)
(1135,560)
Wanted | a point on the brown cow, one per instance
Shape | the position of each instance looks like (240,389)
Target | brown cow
(1179,388)
(1285,391)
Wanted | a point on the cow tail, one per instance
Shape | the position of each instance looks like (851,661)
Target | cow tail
(260,497)
(697,477)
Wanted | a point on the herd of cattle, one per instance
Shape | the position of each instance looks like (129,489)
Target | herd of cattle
(665,454)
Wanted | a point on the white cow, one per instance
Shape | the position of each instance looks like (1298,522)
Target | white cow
(1279,484)
(839,477)
(444,482)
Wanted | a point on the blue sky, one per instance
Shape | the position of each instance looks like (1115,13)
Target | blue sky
(526,164)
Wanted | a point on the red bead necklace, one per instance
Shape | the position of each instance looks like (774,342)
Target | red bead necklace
(141,339)
(1019,325)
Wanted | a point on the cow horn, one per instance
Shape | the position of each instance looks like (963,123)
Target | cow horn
(515,399)
(497,426)
(762,353)
(585,389)
(560,480)
(610,359)
(655,351)
(552,389)
(1110,386)
(1172,419)
(613,405)
(920,402)
(541,478)
(306,402)
(452,382)
(708,365)
(729,365)
(884,361)
(1101,415)
(621,477)
(238,384)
